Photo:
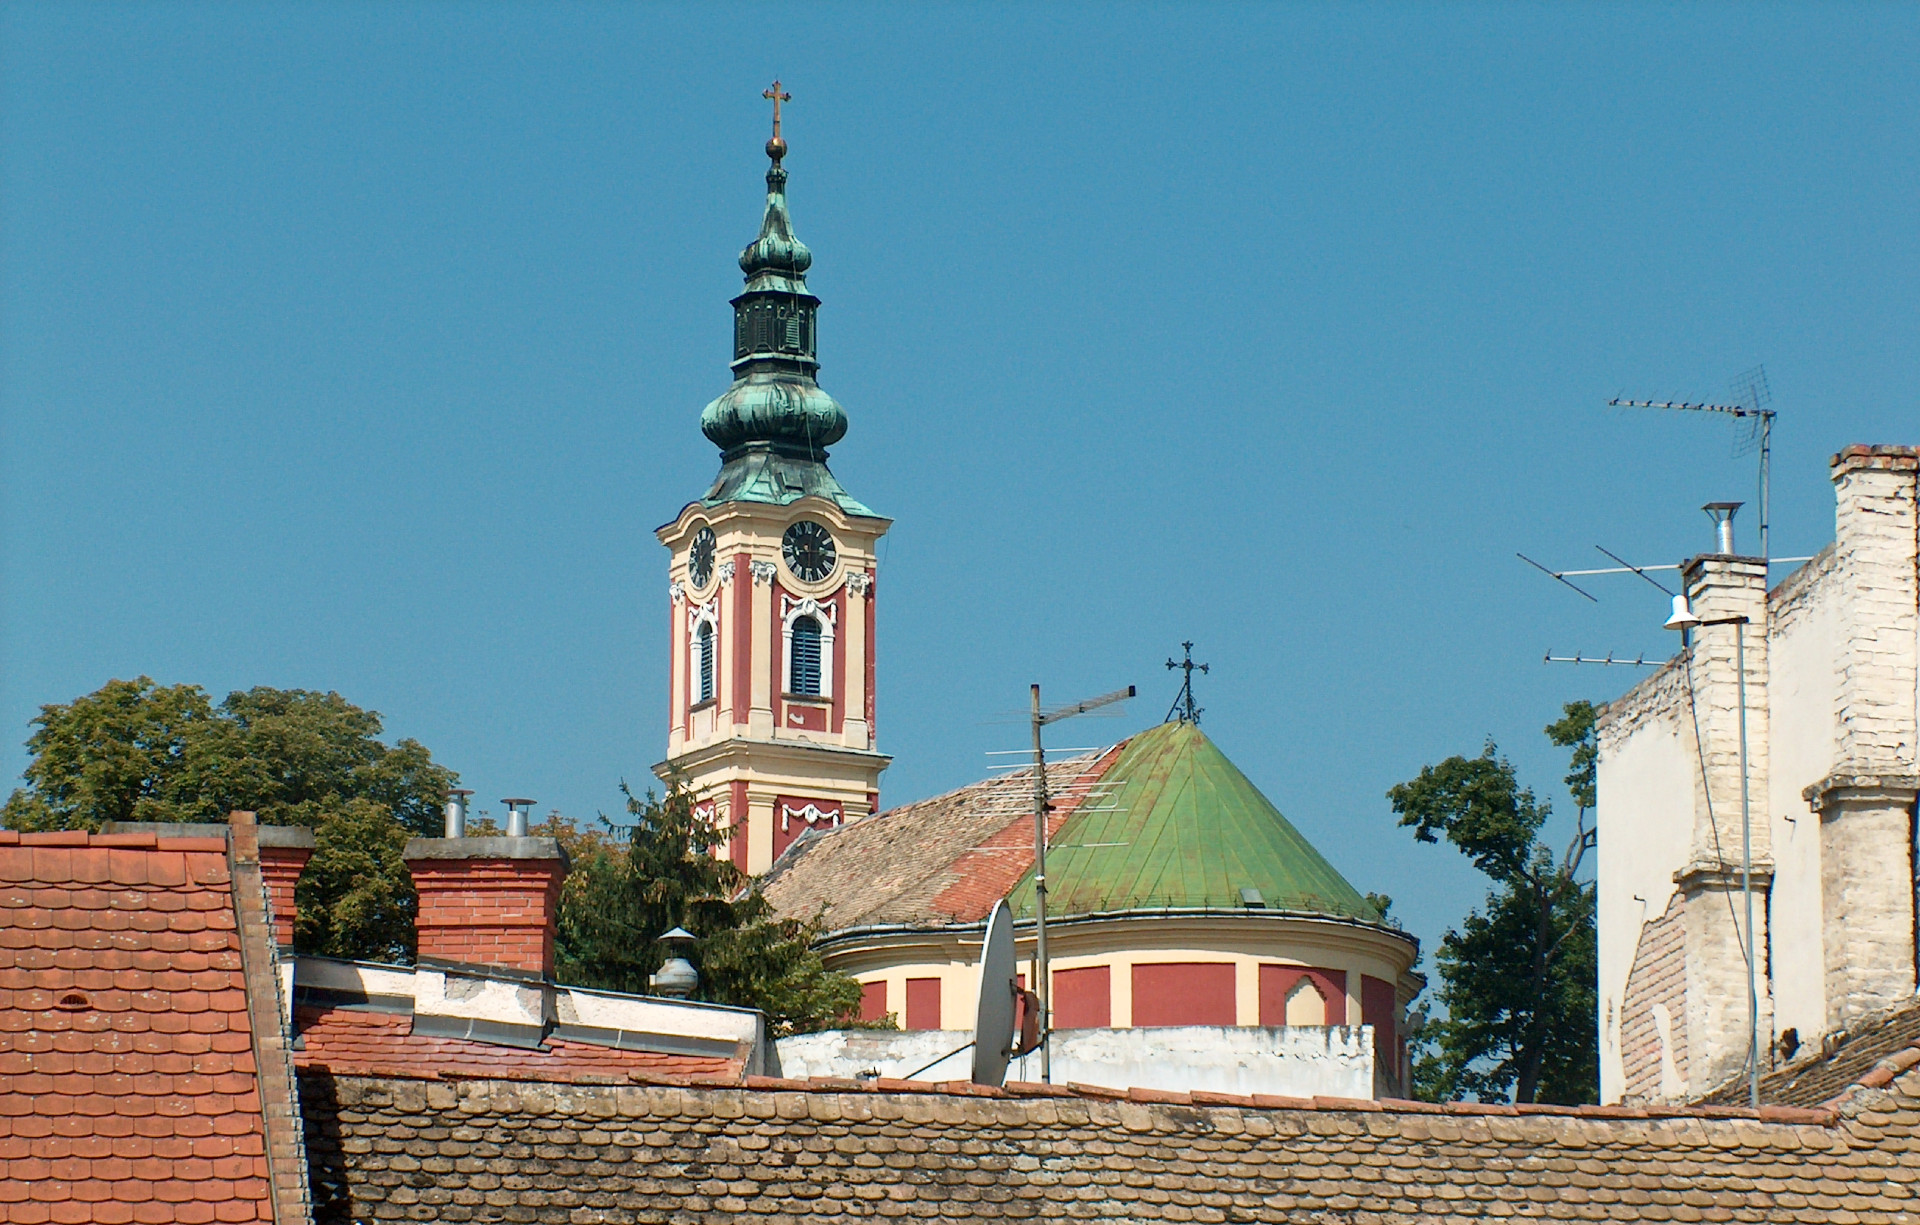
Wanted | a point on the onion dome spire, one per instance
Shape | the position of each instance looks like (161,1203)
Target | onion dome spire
(775,404)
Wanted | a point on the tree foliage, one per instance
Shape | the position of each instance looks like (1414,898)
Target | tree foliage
(617,903)
(137,751)
(1518,979)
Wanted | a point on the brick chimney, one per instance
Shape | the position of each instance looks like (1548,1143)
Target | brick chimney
(1720,586)
(284,852)
(1866,805)
(490,902)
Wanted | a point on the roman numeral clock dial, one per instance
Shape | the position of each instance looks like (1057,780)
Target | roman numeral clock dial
(809,552)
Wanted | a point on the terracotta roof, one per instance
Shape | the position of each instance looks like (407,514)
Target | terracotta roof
(127,1080)
(358,1043)
(940,861)
(1892,1040)
(805,1151)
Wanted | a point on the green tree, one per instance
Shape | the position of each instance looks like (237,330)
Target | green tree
(1517,980)
(617,902)
(137,751)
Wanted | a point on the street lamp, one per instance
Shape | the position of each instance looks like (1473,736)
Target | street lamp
(1684,620)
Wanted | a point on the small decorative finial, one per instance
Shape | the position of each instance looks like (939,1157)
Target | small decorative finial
(776,148)
(1183,706)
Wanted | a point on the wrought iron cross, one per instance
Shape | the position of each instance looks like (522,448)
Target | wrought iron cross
(1183,706)
(778,98)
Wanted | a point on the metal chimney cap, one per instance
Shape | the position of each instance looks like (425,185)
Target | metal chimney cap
(679,933)
(517,803)
(460,791)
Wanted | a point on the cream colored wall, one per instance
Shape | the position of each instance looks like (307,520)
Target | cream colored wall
(1804,693)
(1122,944)
(1647,781)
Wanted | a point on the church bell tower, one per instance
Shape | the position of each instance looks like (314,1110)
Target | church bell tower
(772,580)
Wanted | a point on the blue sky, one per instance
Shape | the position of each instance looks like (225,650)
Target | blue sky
(361,347)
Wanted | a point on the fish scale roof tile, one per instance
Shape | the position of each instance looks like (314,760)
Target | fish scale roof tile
(127,1072)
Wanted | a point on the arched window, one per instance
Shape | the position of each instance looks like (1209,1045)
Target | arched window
(703,652)
(803,673)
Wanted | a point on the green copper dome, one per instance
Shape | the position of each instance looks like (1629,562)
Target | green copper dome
(775,401)
(1184,829)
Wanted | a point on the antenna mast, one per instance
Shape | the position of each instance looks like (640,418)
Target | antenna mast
(1040,807)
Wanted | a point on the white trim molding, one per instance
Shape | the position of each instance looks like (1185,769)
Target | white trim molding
(707,614)
(763,572)
(793,608)
(859,582)
(725,571)
(812,814)
(676,591)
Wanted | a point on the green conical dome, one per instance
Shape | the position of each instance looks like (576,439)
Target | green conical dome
(1183,829)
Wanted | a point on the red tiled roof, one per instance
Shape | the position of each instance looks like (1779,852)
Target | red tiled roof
(127,1085)
(354,1043)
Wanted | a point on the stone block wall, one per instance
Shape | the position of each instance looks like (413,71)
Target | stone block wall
(399,1150)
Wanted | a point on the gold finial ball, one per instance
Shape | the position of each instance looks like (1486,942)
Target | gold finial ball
(776,148)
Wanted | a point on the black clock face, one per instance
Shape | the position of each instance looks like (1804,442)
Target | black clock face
(700,558)
(809,551)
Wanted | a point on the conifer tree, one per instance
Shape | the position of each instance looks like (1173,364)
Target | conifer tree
(618,902)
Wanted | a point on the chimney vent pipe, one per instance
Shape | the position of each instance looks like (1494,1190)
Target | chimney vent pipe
(1722,515)
(457,812)
(517,817)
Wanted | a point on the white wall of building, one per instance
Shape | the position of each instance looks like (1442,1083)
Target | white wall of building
(1647,779)
(1292,1061)
(1805,624)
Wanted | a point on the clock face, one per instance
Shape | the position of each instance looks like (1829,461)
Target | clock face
(809,551)
(700,558)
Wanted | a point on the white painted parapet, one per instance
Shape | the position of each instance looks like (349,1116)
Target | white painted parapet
(1290,1061)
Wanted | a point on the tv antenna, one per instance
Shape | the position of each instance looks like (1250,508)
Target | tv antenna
(1752,400)
(1183,707)
(1040,807)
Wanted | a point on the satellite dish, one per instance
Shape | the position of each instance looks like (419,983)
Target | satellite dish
(999,989)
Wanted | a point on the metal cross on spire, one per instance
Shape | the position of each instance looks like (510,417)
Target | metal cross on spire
(1183,706)
(777,147)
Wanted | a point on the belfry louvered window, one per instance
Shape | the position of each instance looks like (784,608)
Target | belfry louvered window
(804,672)
(703,649)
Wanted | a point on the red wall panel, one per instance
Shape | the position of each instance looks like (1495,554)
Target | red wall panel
(873,1001)
(1277,983)
(1183,993)
(923,1003)
(1083,999)
(1378,1008)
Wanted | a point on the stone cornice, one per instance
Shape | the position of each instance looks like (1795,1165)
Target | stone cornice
(1886,459)
(1843,788)
(1709,875)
